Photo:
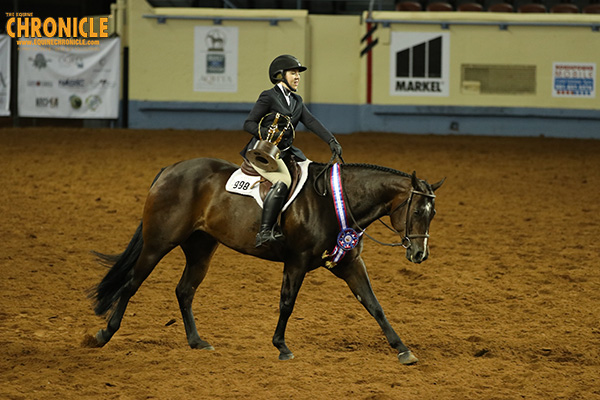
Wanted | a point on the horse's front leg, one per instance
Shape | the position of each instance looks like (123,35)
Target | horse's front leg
(293,276)
(355,275)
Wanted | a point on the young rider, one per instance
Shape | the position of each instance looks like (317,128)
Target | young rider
(284,73)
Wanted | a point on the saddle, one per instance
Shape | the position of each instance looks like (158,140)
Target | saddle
(265,185)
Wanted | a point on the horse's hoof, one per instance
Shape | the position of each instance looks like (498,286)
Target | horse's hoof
(100,341)
(285,356)
(90,341)
(202,346)
(407,358)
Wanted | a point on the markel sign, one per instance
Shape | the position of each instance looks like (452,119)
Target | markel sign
(419,64)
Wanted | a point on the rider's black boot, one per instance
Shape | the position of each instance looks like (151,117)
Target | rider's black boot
(272,206)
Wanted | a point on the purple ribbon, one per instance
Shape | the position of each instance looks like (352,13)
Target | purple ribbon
(348,238)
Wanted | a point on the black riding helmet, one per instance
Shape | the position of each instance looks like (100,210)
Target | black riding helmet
(281,64)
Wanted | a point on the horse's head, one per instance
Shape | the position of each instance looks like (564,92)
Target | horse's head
(412,215)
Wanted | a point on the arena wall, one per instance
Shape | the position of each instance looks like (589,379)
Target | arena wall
(505,49)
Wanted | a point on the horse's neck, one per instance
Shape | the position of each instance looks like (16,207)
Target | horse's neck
(370,193)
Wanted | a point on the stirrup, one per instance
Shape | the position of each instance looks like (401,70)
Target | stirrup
(268,236)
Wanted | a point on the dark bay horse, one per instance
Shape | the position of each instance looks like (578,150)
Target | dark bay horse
(187,206)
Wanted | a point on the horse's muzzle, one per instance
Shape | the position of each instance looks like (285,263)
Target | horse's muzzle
(416,256)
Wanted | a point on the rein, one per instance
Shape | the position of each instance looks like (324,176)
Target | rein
(322,172)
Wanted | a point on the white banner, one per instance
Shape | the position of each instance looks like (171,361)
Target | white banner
(70,81)
(4,75)
(215,59)
(419,64)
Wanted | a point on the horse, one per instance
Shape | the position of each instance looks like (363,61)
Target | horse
(187,206)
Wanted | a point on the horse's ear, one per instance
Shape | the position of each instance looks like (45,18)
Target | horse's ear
(437,185)
(414,180)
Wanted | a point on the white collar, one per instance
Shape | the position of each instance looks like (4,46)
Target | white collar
(286,92)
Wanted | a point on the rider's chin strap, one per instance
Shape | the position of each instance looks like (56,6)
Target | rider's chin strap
(288,86)
(348,238)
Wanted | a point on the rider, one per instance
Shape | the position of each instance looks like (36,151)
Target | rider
(284,73)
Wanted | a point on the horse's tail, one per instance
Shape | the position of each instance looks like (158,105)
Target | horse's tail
(108,292)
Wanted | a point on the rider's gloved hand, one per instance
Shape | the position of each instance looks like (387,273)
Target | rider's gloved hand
(336,147)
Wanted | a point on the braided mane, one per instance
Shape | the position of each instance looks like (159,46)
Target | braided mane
(377,168)
(369,166)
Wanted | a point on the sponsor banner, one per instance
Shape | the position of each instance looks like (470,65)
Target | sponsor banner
(70,82)
(4,75)
(574,80)
(419,64)
(215,59)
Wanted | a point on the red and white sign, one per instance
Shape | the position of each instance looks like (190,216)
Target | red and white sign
(574,80)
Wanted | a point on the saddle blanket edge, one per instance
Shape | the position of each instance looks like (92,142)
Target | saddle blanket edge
(246,185)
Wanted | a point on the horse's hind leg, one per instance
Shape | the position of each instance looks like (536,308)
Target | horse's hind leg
(198,250)
(355,275)
(144,265)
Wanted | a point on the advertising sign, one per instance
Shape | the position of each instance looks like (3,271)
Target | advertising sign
(69,81)
(215,59)
(419,64)
(574,80)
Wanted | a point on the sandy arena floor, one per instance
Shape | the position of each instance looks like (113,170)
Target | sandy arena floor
(507,306)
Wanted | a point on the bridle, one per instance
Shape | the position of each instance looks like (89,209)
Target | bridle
(406,240)
(407,235)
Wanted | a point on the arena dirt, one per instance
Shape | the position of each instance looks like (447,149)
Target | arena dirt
(507,306)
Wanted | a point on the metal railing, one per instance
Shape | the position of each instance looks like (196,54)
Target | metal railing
(162,19)
(503,25)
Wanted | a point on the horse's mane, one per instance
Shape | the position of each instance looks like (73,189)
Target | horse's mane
(371,166)
(375,168)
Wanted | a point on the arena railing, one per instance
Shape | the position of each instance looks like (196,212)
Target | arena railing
(161,19)
(503,25)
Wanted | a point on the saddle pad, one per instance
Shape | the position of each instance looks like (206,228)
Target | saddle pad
(247,185)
